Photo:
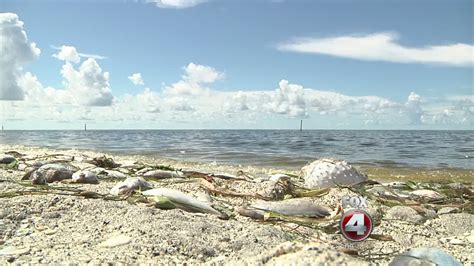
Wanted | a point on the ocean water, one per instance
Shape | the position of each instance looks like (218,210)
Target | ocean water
(270,148)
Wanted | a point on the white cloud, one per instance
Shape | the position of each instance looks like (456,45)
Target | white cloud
(288,99)
(383,47)
(201,74)
(413,108)
(15,51)
(88,85)
(178,4)
(69,53)
(136,79)
(193,80)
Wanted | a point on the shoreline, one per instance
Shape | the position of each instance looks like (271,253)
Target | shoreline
(375,172)
(64,227)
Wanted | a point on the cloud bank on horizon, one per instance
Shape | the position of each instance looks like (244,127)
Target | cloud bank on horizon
(177,4)
(87,95)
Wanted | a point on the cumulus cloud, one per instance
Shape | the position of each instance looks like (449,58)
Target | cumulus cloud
(414,110)
(70,53)
(88,85)
(136,79)
(383,47)
(177,4)
(194,80)
(288,99)
(15,51)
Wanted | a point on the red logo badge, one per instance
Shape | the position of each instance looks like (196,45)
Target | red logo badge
(356,225)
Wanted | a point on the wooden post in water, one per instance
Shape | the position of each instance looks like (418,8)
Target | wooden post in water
(301,125)
(85,126)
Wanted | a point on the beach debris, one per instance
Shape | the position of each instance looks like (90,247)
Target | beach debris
(405,213)
(162,174)
(50,173)
(104,162)
(396,184)
(427,194)
(129,185)
(115,241)
(447,210)
(13,251)
(329,173)
(14,153)
(293,207)
(85,177)
(114,174)
(182,200)
(424,256)
(6,159)
(251,213)
(279,186)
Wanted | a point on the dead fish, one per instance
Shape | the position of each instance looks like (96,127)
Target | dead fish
(279,177)
(182,200)
(327,172)
(424,256)
(397,185)
(85,177)
(162,174)
(278,186)
(190,173)
(293,207)
(251,213)
(427,194)
(115,174)
(50,173)
(130,184)
(104,162)
(6,159)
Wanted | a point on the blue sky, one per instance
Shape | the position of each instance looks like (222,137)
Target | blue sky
(246,46)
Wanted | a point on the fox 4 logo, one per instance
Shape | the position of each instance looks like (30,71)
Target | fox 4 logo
(356,202)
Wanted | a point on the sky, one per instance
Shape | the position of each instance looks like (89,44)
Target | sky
(228,64)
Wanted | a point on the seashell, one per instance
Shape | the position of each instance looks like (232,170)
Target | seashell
(293,207)
(424,256)
(130,184)
(324,173)
(85,177)
(162,174)
(6,159)
(182,200)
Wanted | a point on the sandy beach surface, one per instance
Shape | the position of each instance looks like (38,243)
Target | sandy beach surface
(70,226)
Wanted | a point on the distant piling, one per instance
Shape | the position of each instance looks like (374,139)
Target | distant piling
(2,127)
(301,125)
(85,127)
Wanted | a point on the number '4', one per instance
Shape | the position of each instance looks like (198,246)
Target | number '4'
(356,224)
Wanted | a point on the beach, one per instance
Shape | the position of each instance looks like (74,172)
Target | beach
(65,226)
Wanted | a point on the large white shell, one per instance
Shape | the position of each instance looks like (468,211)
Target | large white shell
(324,173)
